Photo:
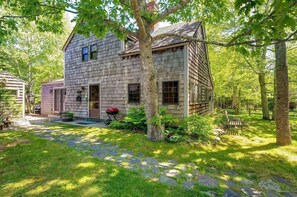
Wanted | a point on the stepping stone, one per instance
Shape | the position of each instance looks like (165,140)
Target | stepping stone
(181,167)
(134,161)
(290,194)
(148,175)
(188,185)
(271,194)
(165,164)
(167,180)
(188,175)
(109,158)
(269,185)
(207,181)
(231,193)
(251,191)
(144,167)
(230,183)
(151,161)
(195,173)
(210,193)
(172,173)
(246,182)
(281,180)
(113,153)
(232,173)
(155,169)
(126,155)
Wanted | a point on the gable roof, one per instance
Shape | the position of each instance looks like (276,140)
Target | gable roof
(7,75)
(182,28)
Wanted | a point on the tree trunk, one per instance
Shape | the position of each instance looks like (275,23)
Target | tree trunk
(283,134)
(274,97)
(154,132)
(264,101)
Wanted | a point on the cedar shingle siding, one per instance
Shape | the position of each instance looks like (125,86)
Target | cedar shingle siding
(115,68)
(15,84)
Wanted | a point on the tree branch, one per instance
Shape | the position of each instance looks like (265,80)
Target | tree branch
(139,21)
(224,44)
(171,10)
(27,16)
(120,28)
(250,65)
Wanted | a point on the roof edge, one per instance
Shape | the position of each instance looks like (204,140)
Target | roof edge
(156,49)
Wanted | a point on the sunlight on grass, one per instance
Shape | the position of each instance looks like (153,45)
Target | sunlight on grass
(86,165)
(20,184)
(86,179)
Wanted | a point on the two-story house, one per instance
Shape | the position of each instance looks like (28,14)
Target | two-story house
(102,73)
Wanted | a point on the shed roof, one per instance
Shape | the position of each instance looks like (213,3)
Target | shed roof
(54,82)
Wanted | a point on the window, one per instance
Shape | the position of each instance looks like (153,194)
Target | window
(93,52)
(85,54)
(170,92)
(134,93)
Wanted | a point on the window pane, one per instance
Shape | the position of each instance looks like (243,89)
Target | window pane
(85,53)
(93,49)
(170,92)
(134,93)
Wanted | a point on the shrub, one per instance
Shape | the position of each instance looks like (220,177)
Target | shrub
(135,120)
(119,125)
(197,127)
(163,119)
(171,135)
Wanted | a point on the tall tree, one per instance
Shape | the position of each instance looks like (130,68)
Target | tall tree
(132,17)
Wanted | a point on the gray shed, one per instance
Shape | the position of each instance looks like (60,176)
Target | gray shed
(16,86)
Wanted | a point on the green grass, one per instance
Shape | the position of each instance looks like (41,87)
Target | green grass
(253,153)
(43,167)
(30,166)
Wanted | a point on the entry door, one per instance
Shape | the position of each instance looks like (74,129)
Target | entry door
(59,100)
(94,102)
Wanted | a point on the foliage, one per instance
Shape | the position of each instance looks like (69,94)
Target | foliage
(197,127)
(135,120)
(172,135)
(163,118)
(8,104)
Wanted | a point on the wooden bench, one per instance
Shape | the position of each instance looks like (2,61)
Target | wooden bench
(236,122)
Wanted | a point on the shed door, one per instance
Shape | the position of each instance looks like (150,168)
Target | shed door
(94,102)
(59,100)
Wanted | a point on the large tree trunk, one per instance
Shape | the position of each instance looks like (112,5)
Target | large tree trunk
(264,101)
(154,132)
(283,134)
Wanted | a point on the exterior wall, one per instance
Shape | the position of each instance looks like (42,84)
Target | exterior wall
(47,97)
(114,73)
(199,77)
(14,83)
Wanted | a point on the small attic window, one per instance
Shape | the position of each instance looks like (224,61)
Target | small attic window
(129,43)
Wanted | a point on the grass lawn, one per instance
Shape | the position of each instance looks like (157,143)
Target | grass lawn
(35,166)
(30,166)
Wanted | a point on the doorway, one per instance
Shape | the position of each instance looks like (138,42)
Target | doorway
(59,100)
(94,101)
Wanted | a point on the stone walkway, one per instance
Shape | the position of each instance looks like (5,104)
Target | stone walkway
(186,175)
